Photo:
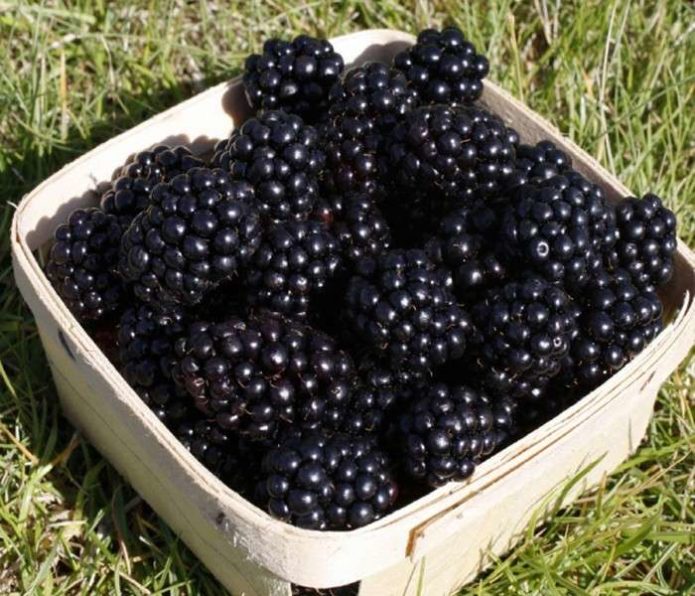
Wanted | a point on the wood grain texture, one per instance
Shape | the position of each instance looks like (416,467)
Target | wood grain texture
(441,538)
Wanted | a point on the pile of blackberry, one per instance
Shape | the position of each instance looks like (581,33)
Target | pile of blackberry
(370,287)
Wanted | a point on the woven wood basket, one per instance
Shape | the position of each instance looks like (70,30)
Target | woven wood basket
(434,544)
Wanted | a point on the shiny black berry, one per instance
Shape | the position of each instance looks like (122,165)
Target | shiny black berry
(647,241)
(279,156)
(447,430)
(199,230)
(82,264)
(322,482)
(443,67)
(538,162)
(400,303)
(295,76)
(292,265)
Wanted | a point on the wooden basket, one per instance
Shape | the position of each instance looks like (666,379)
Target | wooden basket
(434,544)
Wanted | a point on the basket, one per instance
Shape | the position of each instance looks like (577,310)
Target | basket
(435,543)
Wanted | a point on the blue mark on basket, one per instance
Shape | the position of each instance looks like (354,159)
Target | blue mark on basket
(65,345)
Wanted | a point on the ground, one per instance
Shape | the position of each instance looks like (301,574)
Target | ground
(617,77)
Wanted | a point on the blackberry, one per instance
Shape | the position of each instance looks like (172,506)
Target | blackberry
(232,459)
(444,67)
(361,229)
(647,240)
(462,246)
(524,331)
(82,264)
(450,428)
(538,162)
(366,104)
(254,376)
(465,152)
(293,263)
(295,76)
(133,182)
(401,304)
(322,482)
(617,321)
(199,230)
(279,156)
(560,227)
(146,348)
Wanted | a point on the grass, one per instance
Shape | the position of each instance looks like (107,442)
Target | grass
(618,77)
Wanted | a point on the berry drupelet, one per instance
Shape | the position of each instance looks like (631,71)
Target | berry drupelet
(199,230)
(295,76)
(279,156)
(647,240)
(462,245)
(401,304)
(450,428)
(616,323)
(538,162)
(255,375)
(560,227)
(146,348)
(443,67)
(292,265)
(523,332)
(465,152)
(82,264)
(132,184)
(322,482)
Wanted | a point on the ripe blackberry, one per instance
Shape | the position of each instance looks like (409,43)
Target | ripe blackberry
(294,76)
(462,245)
(279,156)
(560,227)
(292,265)
(616,323)
(463,151)
(133,182)
(444,67)
(232,459)
(82,264)
(401,304)
(449,429)
(538,162)
(146,348)
(366,104)
(198,231)
(524,331)
(322,482)
(647,240)
(254,376)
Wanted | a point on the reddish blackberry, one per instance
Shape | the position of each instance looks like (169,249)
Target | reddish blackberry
(253,376)
(279,156)
(559,227)
(444,67)
(231,458)
(462,246)
(146,348)
(401,304)
(132,184)
(294,76)
(82,264)
(616,323)
(647,240)
(322,482)
(199,230)
(446,431)
(464,151)
(293,263)
(538,162)
(524,331)
(365,105)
